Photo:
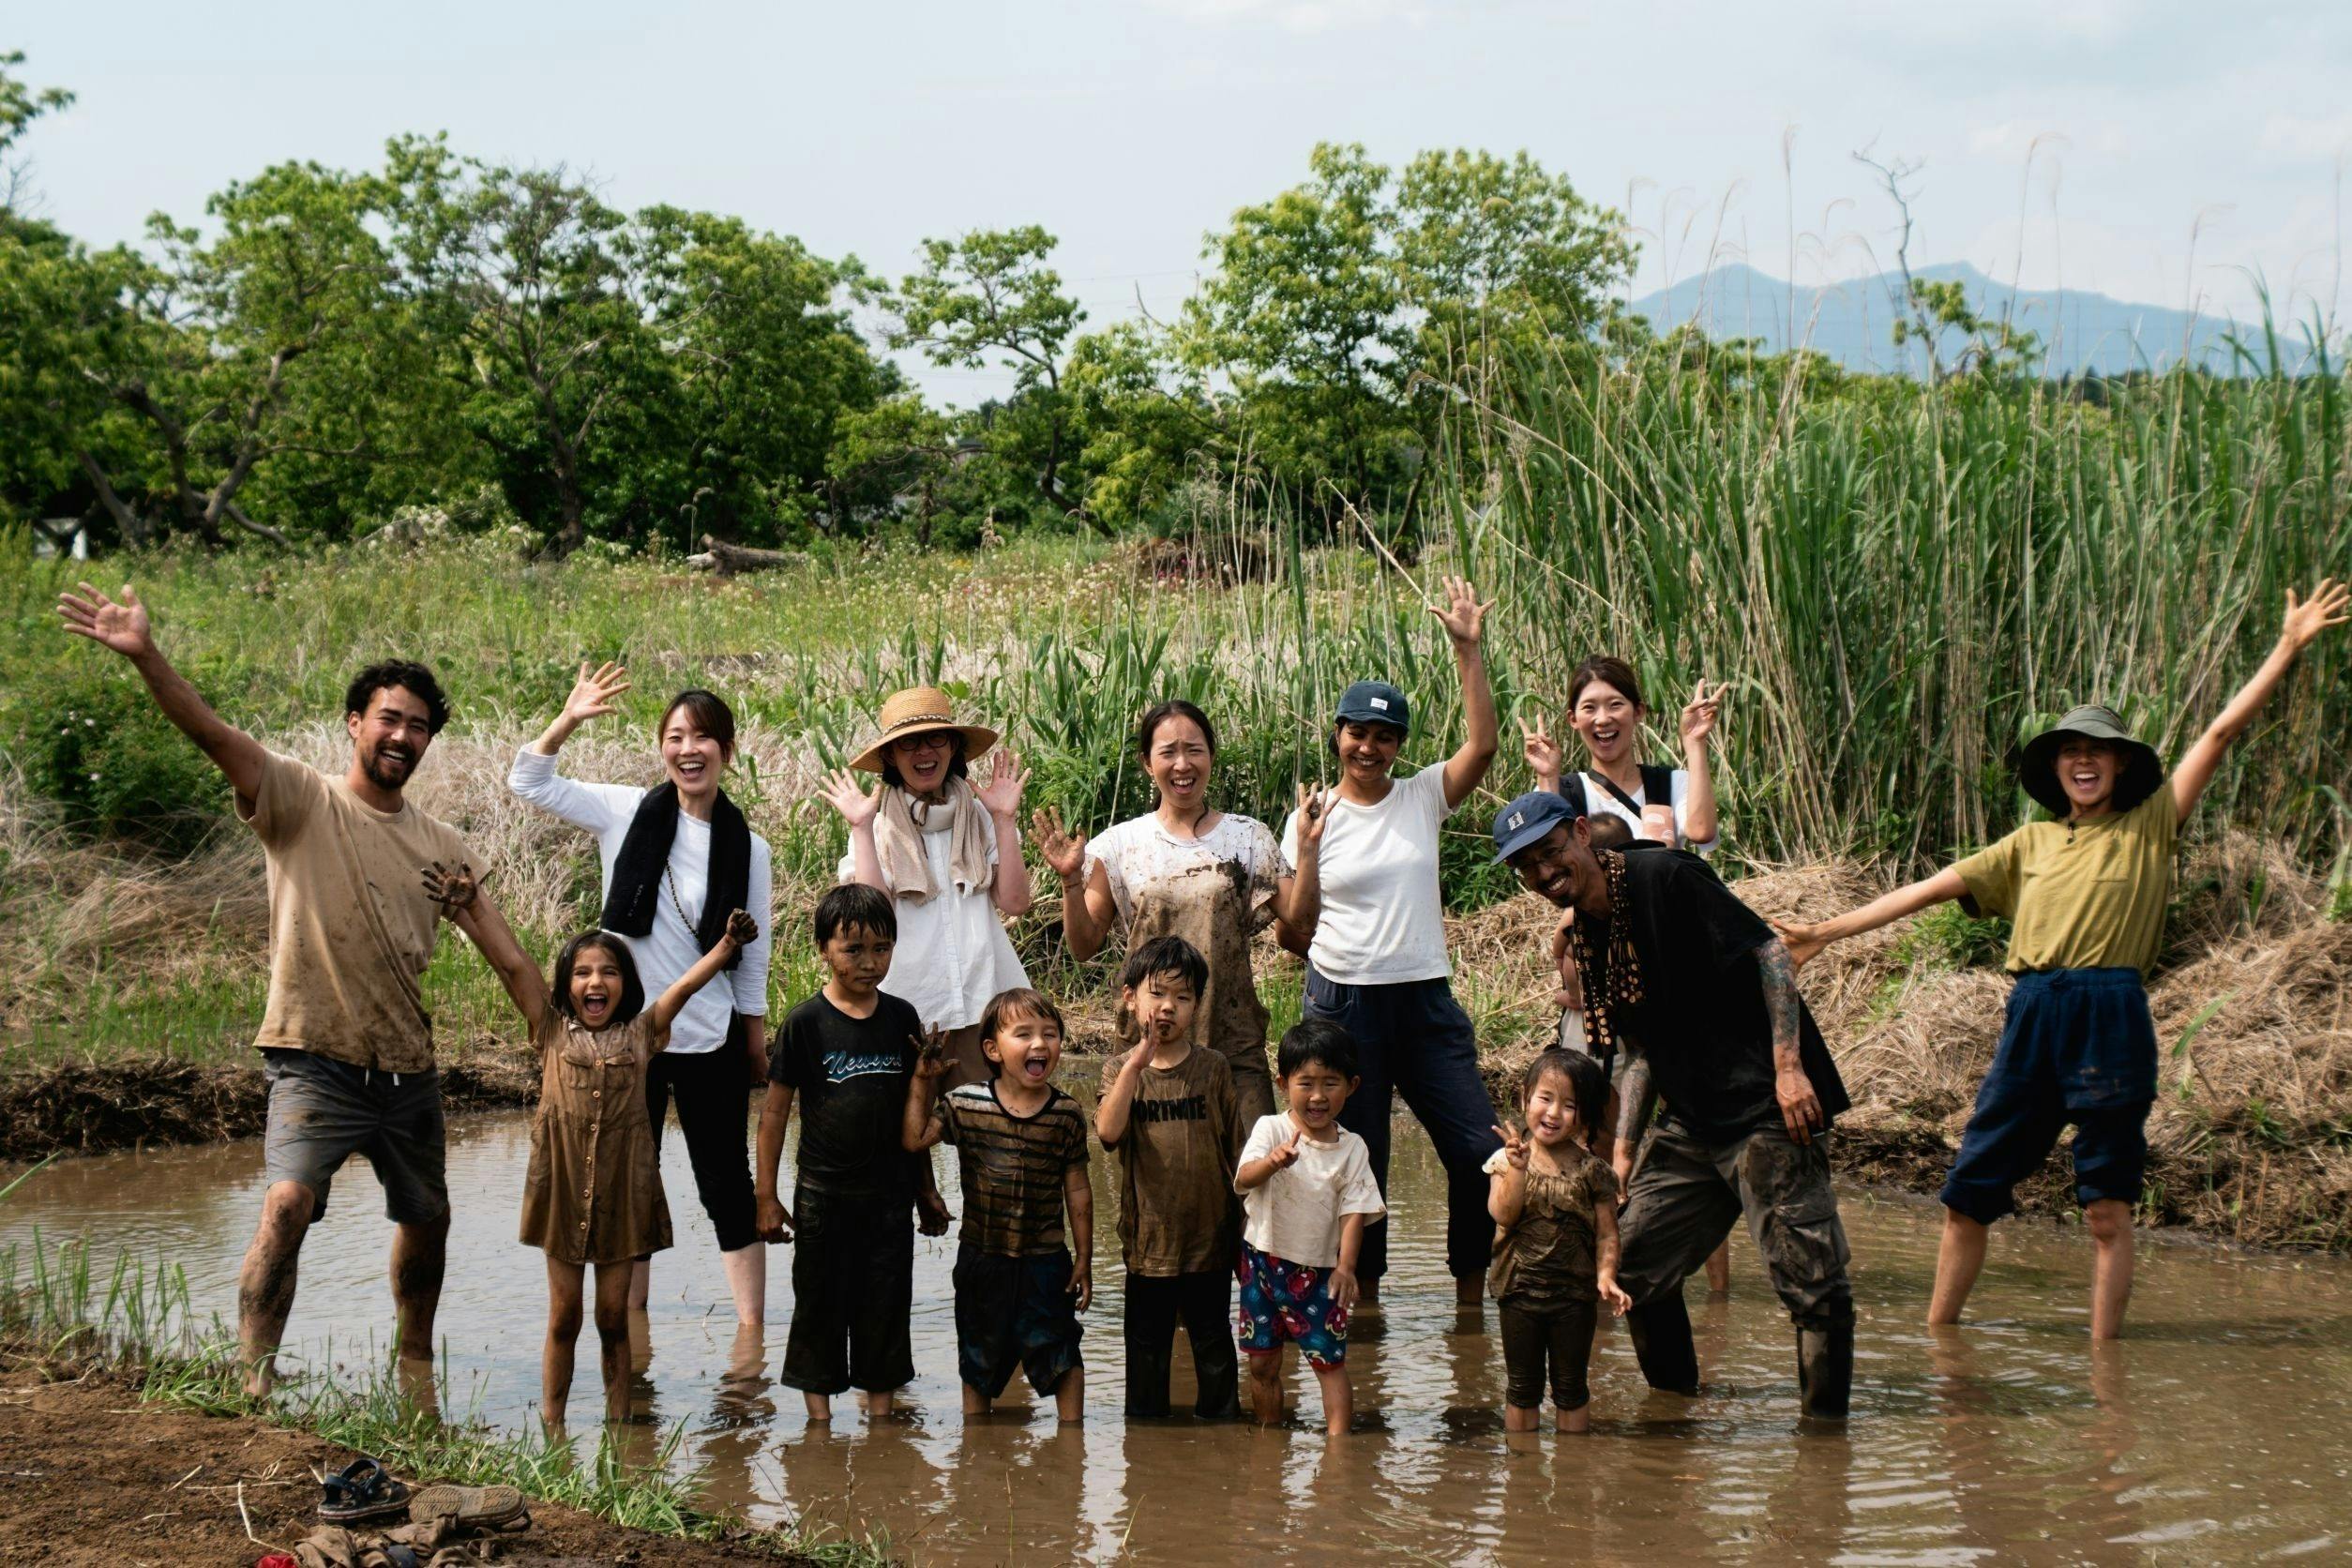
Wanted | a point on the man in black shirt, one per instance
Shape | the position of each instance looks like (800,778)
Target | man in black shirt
(1702,998)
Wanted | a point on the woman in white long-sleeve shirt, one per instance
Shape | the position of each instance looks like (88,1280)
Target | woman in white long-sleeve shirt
(672,856)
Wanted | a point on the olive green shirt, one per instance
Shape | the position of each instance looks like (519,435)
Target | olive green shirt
(2090,895)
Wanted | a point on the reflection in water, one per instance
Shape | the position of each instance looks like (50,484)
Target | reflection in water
(2214,1432)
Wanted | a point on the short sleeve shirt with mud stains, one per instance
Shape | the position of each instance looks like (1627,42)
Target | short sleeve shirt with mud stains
(1013,1169)
(1552,1254)
(2090,895)
(351,930)
(1215,892)
(1176,1165)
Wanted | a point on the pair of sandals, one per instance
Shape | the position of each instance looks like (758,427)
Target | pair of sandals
(364,1493)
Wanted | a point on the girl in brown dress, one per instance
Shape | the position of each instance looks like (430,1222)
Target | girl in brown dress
(594,1192)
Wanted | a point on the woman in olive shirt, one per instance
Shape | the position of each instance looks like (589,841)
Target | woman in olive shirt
(2087,893)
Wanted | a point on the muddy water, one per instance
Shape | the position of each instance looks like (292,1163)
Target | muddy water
(2217,1432)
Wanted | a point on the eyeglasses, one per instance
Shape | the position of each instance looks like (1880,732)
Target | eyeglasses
(930,740)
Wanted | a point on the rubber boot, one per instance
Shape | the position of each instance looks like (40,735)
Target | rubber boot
(1661,1332)
(1825,1370)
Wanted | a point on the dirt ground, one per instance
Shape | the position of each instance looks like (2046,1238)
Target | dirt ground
(90,1475)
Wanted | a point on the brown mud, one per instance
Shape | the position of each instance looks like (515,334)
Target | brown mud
(92,1475)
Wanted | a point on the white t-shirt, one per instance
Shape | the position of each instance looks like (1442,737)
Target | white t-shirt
(670,948)
(1294,1215)
(1383,920)
(952,954)
(1598,799)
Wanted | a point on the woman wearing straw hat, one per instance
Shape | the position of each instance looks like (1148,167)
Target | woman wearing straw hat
(1377,963)
(950,853)
(2087,893)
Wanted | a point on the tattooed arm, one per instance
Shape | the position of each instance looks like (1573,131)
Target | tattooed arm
(1634,1099)
(1799,1106)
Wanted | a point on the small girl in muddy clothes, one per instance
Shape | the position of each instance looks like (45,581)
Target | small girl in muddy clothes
(594,1192)
(1555,1208)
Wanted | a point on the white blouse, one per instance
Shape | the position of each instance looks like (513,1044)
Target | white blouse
(952,954)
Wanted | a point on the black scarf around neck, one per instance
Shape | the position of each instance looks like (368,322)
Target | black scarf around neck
(635,891)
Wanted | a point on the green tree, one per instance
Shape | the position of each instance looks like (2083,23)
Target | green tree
(990,298)
(524,276)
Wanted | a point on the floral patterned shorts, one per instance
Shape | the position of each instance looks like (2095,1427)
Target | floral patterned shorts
(1286,1303)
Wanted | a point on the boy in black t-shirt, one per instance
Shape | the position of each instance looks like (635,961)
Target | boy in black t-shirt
(848,1053)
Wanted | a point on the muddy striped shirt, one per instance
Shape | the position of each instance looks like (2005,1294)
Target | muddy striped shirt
(1013,1168)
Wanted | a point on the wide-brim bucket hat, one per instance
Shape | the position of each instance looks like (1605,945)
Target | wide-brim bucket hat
(912,711)
(2037,763)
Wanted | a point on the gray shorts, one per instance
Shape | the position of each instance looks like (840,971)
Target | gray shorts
(323,1111)
(1687,1195)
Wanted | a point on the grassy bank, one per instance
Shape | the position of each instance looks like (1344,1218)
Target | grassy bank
(83,1340)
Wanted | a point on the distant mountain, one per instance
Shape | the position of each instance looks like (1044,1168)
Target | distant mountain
(1853,321)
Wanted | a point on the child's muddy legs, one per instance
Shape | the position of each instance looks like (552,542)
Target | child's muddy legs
(1959,1258)
(613,1336)
(2110,1222)
(641,1324)
(1576,1421)
(563,1282)
(1339,1399)
(1520,1418)
(265,1285)
(1265,1386)
(420,1254)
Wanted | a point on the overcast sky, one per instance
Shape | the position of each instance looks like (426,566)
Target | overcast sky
(2161,152)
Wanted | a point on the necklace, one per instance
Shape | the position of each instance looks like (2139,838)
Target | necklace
(669,881)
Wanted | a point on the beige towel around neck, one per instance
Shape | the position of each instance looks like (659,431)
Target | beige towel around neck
(898,841)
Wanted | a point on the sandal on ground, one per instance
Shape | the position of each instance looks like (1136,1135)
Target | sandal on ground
(474,1507)
(362,1492)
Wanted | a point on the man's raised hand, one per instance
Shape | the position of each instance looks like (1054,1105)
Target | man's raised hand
(452,887)
(120,626)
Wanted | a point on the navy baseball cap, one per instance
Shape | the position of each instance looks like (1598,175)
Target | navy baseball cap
(1526,820)
(1374,702)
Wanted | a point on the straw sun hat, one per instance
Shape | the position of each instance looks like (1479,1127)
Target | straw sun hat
(912,711)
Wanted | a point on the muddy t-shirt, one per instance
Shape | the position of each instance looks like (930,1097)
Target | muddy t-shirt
(351,930)
(1176,1165)
(1702,1022)
(1215,892)
(1013,1168)
(1552,1254)
(849,1079)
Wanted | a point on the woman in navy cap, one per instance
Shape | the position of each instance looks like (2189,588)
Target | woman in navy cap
(1377,963)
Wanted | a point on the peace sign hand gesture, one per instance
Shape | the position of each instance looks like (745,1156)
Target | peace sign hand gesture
(1065,851)
(1462,616)
(845,794)
(1542,753)
(1698,714)
(120,626)
(1001,793)
(1514,1145)
(596,693)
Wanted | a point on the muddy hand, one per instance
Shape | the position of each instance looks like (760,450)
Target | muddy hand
(1314,815)
(1065,851)
(1618,1302)
(1082,1285)
(120,626)
(1514,1144)
(931,1214)
(1799,1107)
(930,1052)
(776,1221)
(741,929)
(452,887)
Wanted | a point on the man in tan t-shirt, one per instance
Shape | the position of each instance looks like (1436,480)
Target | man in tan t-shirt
(345,1039)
